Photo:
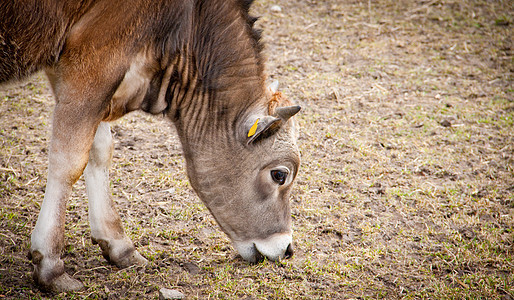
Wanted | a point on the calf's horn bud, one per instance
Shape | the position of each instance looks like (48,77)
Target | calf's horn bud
(286,112)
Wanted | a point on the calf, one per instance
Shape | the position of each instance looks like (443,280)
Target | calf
(198,62)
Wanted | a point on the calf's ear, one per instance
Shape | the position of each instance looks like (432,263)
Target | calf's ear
(257,127)
(262,127)
(273,87)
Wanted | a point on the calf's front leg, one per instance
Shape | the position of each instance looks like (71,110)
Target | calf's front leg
(72,136)
(106,227)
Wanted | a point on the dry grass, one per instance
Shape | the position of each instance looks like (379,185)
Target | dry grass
(407,183)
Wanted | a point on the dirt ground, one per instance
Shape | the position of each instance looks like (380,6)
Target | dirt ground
(406,188)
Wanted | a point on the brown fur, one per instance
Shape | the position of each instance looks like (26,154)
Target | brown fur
(276,100)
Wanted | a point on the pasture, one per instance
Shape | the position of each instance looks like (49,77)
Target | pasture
(406,188)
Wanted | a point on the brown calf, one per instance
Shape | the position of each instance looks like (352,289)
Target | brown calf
(198,62)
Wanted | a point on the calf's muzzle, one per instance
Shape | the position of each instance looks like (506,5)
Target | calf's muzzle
(275,247)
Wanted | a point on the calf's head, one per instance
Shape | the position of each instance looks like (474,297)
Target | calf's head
(244,175)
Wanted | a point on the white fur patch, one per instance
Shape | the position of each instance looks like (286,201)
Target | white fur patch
(97,181)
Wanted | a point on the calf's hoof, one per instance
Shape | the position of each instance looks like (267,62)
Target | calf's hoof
(63,283)
(122,254)
(131,259)
(49,274)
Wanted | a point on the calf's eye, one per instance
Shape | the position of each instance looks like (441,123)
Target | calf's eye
(279,176)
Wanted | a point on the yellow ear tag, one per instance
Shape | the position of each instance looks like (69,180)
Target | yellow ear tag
(253,129)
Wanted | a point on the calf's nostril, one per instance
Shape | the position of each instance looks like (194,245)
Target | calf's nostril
(289,251)
(258,257)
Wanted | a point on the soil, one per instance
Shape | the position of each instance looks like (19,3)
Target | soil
(407,181)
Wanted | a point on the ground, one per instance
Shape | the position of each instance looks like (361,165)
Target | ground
(407,181)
